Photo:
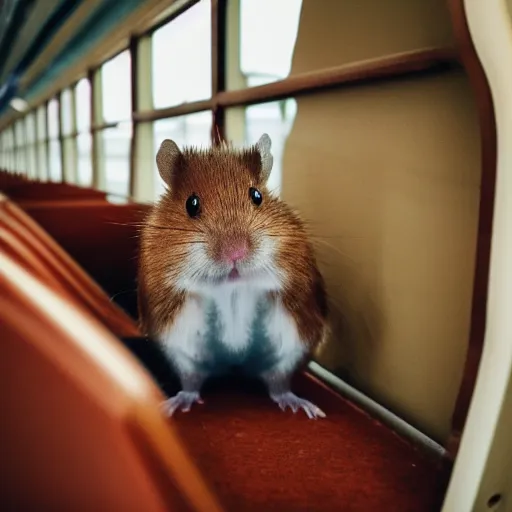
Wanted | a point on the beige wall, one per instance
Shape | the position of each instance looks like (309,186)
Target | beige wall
(388,177)
(335,32)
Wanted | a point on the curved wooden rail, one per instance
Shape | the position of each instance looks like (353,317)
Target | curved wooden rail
(59,268)
(482,92)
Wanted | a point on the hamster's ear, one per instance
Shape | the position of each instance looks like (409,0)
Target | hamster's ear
(168,159)
(267,160)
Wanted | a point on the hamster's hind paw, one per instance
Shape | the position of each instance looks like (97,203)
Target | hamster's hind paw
(182,401)
(289,399)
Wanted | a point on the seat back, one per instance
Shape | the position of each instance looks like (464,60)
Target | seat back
(60,269)
(8,179)
(34,191)
(102,237)
(80,423)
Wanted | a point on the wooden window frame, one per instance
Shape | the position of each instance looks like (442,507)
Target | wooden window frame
(433,60)
(414,63)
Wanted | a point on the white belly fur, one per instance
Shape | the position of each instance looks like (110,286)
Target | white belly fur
(186,340)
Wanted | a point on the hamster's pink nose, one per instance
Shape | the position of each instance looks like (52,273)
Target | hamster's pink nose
(235,252)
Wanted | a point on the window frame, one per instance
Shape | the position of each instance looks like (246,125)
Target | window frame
(141,185)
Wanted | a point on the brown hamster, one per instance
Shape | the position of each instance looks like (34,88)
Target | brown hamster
(227,275)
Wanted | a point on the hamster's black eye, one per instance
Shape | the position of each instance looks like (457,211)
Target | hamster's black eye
(193,205)
(255,196)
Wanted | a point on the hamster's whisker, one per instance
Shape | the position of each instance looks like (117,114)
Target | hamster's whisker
(172,228)
(131,224)
(287,236)
(196,274)
(189,242)
(266,267)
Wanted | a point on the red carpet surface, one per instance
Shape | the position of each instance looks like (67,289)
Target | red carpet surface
(259,458)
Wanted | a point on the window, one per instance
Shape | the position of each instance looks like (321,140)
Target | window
(5,150)
(55,160)
(8,143)
(66,106)
(12,151)
(268,31)
(182,58)
(54,153)
(83,127)
(83,105)
(2,151)
(189,130)
(30,131)
(53,119)
(116,150)
(69,139)
(84,169)
(42,154)
(19,131)
(114,143)
(262,46)
(117,90)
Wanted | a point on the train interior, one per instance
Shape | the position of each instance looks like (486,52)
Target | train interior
(385,126)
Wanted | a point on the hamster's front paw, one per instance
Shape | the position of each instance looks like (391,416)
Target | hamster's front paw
(291,400)
(182,400)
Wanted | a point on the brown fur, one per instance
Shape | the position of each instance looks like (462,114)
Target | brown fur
(221,177)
